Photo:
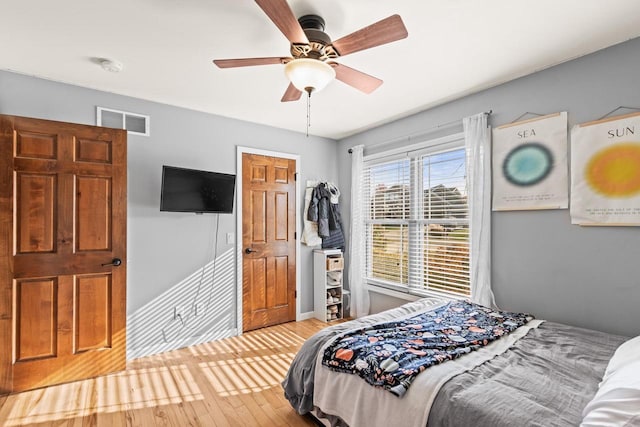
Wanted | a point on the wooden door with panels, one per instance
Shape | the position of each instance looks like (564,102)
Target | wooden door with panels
(268,238)
(62,252)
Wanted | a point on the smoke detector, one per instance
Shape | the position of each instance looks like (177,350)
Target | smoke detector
(111,65)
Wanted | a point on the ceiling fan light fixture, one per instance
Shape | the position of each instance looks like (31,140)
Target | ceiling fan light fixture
(309,75)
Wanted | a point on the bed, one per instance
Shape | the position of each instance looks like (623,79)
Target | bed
(539,374)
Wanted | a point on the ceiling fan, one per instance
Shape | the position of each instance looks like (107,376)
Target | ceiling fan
(312,63)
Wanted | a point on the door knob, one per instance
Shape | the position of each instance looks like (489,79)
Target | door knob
(249,250)
(115,262)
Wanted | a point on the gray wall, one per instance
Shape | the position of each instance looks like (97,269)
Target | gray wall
(170,255)
(585,276)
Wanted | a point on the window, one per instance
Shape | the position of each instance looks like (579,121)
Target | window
(416,219)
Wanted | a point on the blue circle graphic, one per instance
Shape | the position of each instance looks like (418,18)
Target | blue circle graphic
(527,164)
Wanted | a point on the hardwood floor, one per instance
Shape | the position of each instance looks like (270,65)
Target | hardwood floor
(230,382)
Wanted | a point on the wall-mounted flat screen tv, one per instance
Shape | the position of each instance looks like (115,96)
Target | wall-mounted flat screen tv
(191,190)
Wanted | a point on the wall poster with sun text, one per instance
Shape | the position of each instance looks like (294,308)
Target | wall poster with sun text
(605,171)
(530,164)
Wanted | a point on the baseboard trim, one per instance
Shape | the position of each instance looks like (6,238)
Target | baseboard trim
(307,315)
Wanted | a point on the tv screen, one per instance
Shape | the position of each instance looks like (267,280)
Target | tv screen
(190,190)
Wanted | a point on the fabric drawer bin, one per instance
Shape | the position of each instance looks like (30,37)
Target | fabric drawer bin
(334,263)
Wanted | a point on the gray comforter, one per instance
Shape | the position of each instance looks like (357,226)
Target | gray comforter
(545,379)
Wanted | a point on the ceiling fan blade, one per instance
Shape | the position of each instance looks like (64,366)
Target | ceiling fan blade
(382,32)
(281,14)
(357,79)
(248,62)
(291,94)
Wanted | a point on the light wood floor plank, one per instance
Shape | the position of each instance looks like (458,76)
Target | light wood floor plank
(225,383)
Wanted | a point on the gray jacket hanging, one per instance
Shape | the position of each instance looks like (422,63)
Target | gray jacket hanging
(320,210)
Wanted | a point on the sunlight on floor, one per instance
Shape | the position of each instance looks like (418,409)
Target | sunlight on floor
(247,374)
(209,377)
(251,341)
(129,390)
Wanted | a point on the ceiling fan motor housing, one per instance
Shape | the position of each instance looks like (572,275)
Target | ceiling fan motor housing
(318,36)
(319,46)
(311,22)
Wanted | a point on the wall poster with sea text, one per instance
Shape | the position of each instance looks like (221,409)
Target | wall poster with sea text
(530,164)
(605,171)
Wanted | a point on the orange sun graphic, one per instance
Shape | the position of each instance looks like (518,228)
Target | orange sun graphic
(615,170)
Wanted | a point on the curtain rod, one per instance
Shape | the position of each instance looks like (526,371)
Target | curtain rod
(419,134)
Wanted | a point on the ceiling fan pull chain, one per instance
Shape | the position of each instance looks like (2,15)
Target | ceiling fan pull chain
(308,112)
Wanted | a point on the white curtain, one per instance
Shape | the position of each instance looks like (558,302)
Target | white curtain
(477,137)
(359,293)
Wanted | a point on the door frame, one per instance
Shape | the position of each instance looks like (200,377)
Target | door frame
(239,231)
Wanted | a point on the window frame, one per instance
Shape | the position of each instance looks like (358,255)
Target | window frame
(412,152)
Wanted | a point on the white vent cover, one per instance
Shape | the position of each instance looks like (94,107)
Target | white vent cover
(135,124)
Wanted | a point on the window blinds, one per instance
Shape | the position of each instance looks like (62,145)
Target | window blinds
(417,222)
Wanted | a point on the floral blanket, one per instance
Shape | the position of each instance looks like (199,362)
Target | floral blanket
(390,355)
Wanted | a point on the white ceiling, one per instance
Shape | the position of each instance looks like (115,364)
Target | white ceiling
(454,48)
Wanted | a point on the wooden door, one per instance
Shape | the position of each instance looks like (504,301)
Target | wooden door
(269,247)
(62,222)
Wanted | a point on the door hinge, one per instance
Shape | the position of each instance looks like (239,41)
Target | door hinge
(295,294)
(295,176)
(295,235)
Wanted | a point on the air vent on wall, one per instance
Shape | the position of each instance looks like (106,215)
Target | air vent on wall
(135,124)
